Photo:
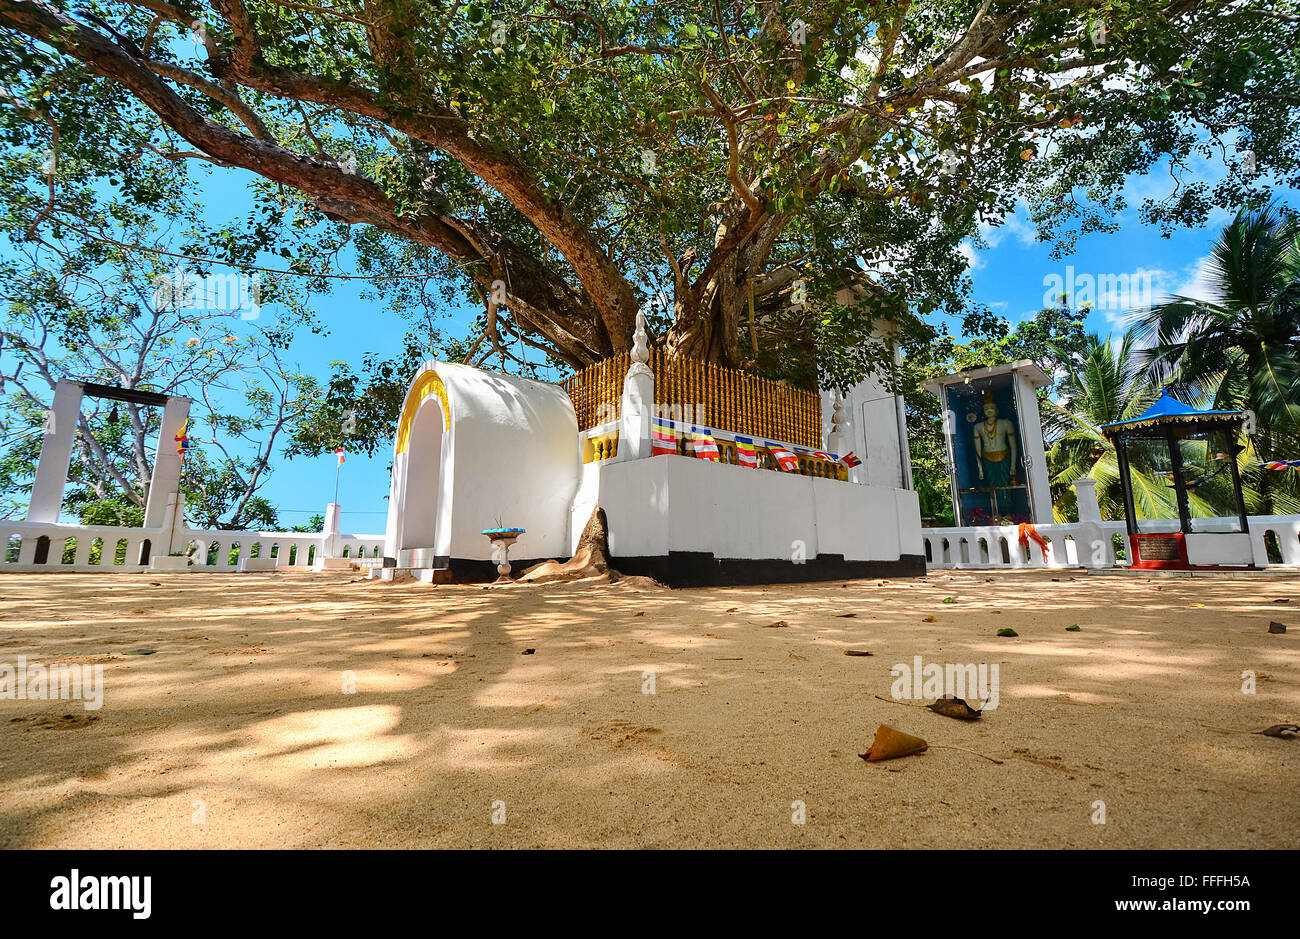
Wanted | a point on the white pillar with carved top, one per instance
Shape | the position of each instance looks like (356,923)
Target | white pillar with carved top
(637,403)
(840,440)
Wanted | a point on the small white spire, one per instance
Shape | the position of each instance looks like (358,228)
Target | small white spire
(837,414)
(640,341)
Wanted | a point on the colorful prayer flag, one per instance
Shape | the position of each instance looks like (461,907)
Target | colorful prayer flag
(663,437)
(704,446)
(1282,464)
(784,458)
(850,459)
(746,452)
(822,456)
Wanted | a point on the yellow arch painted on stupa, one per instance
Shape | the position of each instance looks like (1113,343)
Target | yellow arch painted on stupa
(428,383)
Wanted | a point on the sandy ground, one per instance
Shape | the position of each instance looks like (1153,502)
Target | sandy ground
(237,733)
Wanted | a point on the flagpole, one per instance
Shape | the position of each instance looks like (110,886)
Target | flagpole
(334,537)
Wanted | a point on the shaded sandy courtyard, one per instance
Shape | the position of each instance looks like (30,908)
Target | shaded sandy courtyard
(240,721)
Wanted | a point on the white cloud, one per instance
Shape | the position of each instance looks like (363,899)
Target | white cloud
(1198,282)
(973,260)
(1015,223)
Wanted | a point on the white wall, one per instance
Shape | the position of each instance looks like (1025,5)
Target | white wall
(674,503)
(878,436)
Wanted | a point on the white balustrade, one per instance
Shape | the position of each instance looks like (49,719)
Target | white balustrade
(1275,540)
(21,541)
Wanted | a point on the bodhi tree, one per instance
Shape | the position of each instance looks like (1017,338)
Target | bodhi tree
(727,165)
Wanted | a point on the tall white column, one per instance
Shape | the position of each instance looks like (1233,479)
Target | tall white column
(166,476)
(56,453)
(329,539)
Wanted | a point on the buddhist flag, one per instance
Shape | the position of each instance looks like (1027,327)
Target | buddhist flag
(703,444)
(784,458)
(850,459)
(1282,464)
(183,439)
(823,456)
(339,454)
(746,452)
(663,437)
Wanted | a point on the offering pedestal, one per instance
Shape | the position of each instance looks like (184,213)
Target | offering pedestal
(503,538)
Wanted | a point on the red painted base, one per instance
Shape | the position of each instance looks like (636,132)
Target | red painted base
(1159,552)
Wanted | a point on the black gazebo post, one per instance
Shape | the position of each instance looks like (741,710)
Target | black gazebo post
(1180,484)
(1233,449)
(1121,457)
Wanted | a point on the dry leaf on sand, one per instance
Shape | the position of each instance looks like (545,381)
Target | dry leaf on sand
(890,743)
(951,706)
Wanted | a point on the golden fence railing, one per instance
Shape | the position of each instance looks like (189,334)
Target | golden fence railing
(697,392)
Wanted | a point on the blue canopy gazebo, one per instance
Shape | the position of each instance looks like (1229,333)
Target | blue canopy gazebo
(1171,422)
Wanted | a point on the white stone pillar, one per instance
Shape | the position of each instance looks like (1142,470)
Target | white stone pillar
(840,440)
(637,403)
(1091,541)
(166,476)
(329,539)
(1086,495)
(56,453)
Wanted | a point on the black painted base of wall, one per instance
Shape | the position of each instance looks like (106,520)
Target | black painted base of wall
(702,569)
(467,571)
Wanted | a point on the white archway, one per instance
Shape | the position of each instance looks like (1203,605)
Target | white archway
(419,528)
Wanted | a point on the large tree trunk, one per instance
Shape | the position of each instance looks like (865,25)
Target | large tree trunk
(707,328)
(706,324)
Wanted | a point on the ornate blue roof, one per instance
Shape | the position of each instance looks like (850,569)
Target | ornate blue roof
(1168,410)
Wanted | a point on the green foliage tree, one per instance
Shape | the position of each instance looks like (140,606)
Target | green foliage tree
(564,165)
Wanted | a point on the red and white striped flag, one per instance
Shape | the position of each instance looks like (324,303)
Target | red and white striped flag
(663,438)
(746,453)
(703,444)
(784,458)
(339,454)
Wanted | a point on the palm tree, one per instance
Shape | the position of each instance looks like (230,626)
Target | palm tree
(1104,382)
(1109,381)
(1241,347)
